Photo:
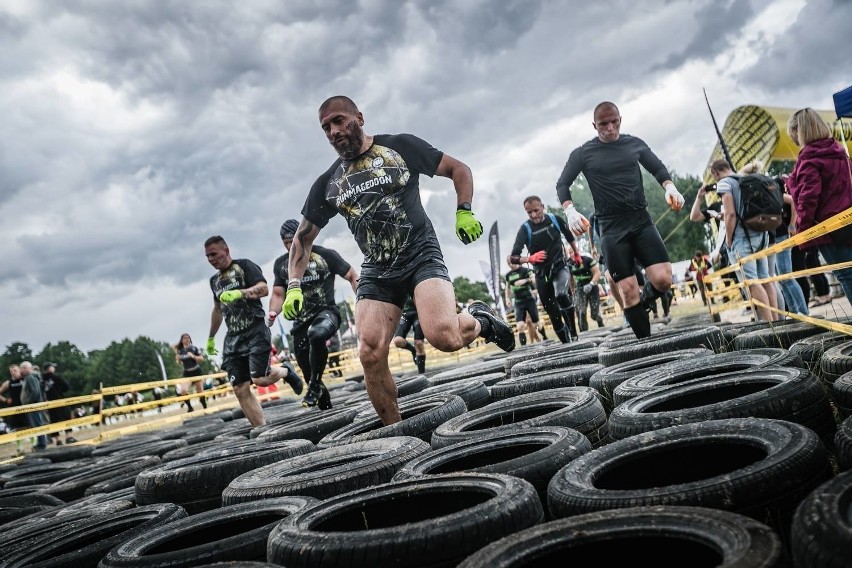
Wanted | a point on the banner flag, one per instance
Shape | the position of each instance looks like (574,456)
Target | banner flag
(494,254)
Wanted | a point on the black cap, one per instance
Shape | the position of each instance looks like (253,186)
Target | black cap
(288,229)
(46,365)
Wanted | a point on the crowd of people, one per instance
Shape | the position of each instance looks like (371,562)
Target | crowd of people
(403,284)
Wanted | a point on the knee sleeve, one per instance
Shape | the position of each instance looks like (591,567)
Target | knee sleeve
(320,332)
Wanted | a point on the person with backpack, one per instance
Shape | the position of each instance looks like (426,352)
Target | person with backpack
(821,187)
(741,240)
(542,236)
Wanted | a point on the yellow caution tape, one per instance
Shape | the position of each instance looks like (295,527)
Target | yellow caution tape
(37,406)
(49,428)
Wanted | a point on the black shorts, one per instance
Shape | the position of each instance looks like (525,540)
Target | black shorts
(396,290)
(524,307)
(196,372)
(406,322)
(246,354)
(628,239)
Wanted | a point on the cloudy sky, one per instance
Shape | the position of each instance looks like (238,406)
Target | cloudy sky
(131,131)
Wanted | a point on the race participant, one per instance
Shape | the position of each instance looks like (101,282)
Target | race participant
(319,318)
(374,184)
(610,163)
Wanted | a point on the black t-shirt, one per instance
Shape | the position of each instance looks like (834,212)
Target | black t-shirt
(378,194)
(54,386)
(612,170)
(546,237)
(240,314)
(583,273)
(317,283)
(186,357)
(524,291)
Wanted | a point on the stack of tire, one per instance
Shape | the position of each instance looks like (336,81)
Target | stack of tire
(703,445)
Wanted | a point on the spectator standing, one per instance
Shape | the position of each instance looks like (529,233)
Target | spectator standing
(32,393)
(13,386)
(794,297)
(56,388)
(742,243)
(700,266)
(190,357)
(821,187)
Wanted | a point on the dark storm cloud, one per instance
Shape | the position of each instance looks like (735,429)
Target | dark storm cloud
(814,49)
(717,24)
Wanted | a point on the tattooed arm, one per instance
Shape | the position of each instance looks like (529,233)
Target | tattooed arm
(300,250)
(259,290)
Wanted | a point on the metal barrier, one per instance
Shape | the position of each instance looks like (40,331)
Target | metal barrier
(349,365)
(739,285)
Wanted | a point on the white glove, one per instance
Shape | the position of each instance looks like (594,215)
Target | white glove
(673,197)
(587,289)
(270,318)
(576,222)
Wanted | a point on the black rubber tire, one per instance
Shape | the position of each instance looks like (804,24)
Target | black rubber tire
(811,349)
(157,448)
(466,372)
(783,393)
(125,443)
(776,336)
(313,426)
(822,531)
(607,378)
(677,372)
(10,514)
(197,483)
(74,486)
(709,338)
(238,532)
(420,417)
(757,467)
(576,376)
(41,526)
(31,500)
(68,452)
(533,454)
(843,445)
(836,361)
(430,521)
(190,450)
(22,490)
(40,474)
(86,542)
(327,472)
(541,351)
(579,408)
(411,385)
(552,362)
(474,392)
(841,394)
(649,536)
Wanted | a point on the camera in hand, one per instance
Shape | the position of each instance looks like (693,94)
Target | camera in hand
(711,187)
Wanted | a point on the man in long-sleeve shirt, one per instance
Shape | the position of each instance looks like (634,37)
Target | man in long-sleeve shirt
(610,163)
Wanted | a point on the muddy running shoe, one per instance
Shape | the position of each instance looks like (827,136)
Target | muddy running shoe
(494,329)
(313,395)
(295,383)
(324,402)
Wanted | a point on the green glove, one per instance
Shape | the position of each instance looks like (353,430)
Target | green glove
(229,296)
(211,346)
(293,303)
(468,229)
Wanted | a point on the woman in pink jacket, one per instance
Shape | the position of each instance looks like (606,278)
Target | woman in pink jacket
(821,187)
